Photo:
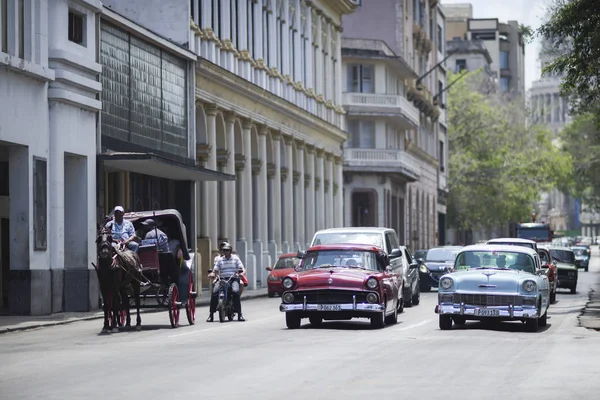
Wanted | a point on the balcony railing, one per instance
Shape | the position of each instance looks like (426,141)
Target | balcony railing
(393,102)
(384,158)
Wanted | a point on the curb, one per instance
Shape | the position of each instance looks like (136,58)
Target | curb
(199,303)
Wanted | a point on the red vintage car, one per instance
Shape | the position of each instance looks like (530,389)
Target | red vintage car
(284,266)
(341,282)
(552,271)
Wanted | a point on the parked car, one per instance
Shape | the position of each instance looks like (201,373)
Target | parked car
(551,269)
(385,238)
(284,266)
(494,282)
(582,256)
(341,282)
(437,262)
(568,273)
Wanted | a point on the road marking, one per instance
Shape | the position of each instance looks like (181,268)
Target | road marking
(415,325)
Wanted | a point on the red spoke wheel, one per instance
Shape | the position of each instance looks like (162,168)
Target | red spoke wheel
(190,308)
(172,304)
(122,317)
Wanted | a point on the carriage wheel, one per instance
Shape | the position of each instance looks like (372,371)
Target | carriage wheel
(172,304)
(190,308)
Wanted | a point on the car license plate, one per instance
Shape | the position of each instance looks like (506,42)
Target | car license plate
(487,312)
(330,307)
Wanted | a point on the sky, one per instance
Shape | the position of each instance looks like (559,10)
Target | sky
(527,12)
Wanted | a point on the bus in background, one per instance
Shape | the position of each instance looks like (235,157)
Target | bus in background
(537,231)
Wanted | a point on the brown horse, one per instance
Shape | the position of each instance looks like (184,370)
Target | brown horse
(110,279)
(129,263)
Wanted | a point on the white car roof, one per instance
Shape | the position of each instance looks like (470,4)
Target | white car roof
(514,240)
(499,247)
(373,229)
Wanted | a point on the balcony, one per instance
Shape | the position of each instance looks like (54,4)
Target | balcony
(390,161)
(390,105)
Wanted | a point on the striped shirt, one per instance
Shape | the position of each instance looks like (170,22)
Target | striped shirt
(227,268)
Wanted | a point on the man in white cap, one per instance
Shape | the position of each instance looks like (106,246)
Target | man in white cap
(123,230)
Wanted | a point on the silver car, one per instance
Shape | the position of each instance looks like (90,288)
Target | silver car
(500,282)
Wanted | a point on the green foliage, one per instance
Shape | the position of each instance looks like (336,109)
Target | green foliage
(574,38)
(581,141)
(526,32)
(498,164)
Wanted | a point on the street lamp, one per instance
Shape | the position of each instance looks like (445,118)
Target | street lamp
(418,82)
(436,97)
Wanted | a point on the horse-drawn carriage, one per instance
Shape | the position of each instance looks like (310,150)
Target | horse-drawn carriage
(155,279)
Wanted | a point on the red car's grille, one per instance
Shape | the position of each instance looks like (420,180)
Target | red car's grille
(487,300)
(329,297)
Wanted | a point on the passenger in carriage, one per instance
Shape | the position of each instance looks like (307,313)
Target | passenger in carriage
(122,230)
(153,233)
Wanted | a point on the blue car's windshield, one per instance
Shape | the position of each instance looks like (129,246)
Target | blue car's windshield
(341,258)
(494,259)
(440,255)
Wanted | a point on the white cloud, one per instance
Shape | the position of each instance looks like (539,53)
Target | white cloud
(527,12)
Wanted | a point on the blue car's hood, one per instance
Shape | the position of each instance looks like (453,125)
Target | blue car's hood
(490,280)
(440,266)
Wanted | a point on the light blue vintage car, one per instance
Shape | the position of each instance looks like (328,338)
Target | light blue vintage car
(499,282)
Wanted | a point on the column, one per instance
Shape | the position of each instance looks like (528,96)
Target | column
(310,194)
(319,63)
(330,202)
(309,51)
(206,21)
(339,199)
(286,38)
(288,198)
(230,190)
(297,42)
(277,189)
(260,75)
(247,195)
(210,188)
(301,238)
(337,54)
(321,192)
(262,205)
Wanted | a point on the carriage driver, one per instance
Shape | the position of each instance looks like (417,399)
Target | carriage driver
(122,230)
(226,266)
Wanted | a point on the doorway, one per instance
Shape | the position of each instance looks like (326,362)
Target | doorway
(364,208)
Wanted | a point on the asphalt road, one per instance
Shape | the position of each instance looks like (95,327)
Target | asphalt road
(261,359)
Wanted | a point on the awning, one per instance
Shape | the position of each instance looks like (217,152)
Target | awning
(158,166)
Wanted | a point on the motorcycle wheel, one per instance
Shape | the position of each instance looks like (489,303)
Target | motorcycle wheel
(221,311)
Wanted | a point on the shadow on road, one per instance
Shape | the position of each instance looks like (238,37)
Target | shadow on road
(145,328)
(512,326)
(354,325)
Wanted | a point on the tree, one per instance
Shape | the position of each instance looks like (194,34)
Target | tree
(498,164)
(581,141)
(574,38)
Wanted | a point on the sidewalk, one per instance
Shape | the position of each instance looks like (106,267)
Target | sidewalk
(590,315)
(10,323)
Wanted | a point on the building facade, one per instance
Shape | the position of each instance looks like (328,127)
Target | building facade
(48,117)
(392,158)
(503,41)
(268,110)
(550,109)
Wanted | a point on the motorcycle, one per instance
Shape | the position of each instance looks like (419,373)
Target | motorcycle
(225,306)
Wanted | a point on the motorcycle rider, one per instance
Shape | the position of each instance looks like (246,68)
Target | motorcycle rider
(226,266)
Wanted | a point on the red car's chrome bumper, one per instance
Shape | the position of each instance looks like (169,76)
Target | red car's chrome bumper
(332,307)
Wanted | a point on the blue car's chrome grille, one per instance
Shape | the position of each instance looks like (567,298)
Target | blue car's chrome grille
(487,300)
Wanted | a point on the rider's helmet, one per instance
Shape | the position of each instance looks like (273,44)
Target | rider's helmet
(223,244)
(226,246)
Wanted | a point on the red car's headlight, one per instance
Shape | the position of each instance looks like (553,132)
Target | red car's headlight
(287,282)
(372,283)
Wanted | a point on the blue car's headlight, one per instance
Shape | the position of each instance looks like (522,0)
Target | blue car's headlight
(529,286)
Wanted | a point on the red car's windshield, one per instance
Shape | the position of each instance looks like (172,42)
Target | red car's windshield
(341,258)
(288,262)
